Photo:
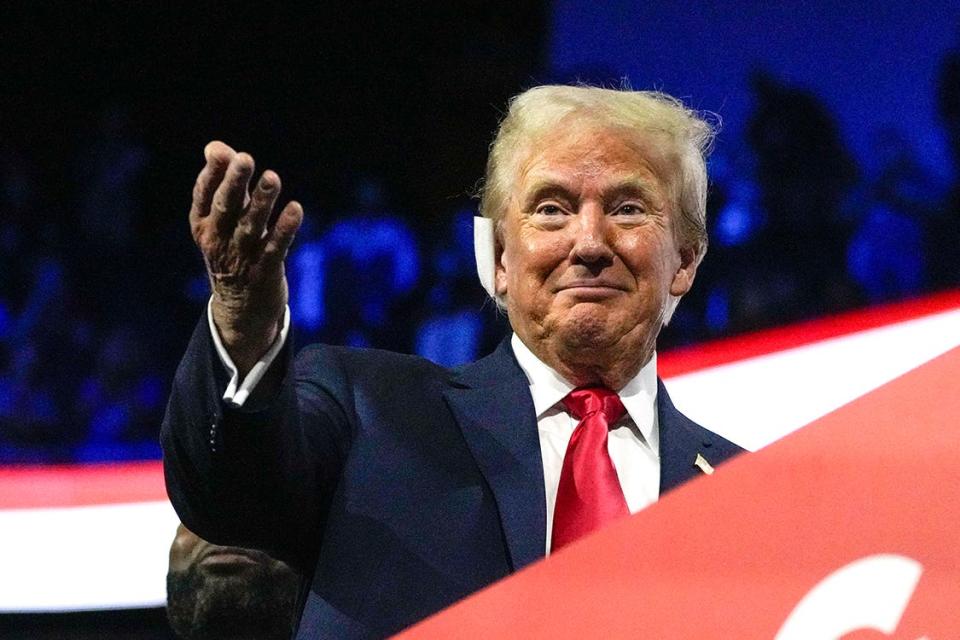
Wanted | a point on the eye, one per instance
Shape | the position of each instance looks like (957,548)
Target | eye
(549,210)
(629,209)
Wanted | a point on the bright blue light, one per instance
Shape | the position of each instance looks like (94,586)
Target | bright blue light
(306,283)
(740,219)
(451,339)
(367,240)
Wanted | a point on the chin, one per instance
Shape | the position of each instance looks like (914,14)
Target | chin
(596,327)
(588,331)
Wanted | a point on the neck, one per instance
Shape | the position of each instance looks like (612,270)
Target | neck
(612,368)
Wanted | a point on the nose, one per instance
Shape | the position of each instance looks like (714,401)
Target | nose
(590,244)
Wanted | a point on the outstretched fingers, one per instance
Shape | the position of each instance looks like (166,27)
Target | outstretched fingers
(284,229)
(251,228)
(230,198)
(231,225)
(217,156)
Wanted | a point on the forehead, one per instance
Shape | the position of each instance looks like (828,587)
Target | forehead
(580,152)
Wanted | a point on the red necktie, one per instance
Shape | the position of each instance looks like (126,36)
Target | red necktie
(589,495)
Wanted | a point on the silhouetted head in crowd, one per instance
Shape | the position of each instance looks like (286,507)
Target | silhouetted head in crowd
(216,592)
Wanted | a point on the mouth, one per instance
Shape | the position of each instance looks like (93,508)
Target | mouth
(591,289)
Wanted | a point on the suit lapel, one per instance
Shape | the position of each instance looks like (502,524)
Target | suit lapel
(491,402)
(680,442)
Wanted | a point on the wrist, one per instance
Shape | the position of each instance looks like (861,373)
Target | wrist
(245,335)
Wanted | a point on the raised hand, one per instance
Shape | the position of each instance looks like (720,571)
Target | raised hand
(243,252)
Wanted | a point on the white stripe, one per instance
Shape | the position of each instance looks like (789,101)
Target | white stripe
(83,558)
(757,401)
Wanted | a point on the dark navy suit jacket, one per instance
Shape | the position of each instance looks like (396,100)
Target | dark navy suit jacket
(394,485)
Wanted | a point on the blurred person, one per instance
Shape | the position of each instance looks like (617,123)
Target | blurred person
(109,170)
(117,402)
(451,329)
(307,277)
(34,394)
(371,264)
(802,166)
(231,593)
(109,173)
(888,255)
(402,486)
(943,232)
(948,104)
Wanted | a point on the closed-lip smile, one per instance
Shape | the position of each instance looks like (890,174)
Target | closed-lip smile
(590,284)
(591,290)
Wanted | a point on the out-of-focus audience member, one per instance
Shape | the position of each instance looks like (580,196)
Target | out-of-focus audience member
(803,171)
(372,266)
(943,231)
(896,199)
(216,592)
(451,331)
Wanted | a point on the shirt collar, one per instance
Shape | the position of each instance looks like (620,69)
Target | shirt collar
(547,387)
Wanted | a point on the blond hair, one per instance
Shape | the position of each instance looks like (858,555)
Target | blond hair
(539,111)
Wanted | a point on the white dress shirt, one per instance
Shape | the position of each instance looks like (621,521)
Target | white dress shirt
(238,391)
(633,443)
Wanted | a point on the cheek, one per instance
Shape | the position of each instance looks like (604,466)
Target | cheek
(651,260)
(545,252)
(533,259)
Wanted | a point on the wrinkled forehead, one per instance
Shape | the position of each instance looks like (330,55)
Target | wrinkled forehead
(590,149)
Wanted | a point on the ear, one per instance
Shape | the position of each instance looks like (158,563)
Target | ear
(500,279)
(686,272)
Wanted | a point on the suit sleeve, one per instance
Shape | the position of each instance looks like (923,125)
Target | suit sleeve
(257,476)
(238,390)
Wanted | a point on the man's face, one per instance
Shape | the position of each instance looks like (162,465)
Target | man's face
(227,592)
(589,253)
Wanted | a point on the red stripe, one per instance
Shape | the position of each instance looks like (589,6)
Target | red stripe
(710,354)
(31,487)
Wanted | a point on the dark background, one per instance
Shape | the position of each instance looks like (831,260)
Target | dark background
(377,116)
(106,112)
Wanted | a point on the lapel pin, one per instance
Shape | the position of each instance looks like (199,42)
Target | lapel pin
(702,464)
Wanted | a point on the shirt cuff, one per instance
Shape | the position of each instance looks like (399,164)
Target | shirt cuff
(237,392)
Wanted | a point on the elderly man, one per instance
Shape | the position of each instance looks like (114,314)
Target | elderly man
(228,592)
(399,486)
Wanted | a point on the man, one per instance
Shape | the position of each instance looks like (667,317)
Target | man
(399,486)
(228,592)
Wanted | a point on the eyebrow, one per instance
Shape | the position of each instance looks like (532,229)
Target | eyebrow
(632,185)
(547,186)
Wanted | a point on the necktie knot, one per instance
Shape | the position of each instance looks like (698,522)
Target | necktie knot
(586,400)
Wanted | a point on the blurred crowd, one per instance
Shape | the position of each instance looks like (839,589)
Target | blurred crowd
(90,336)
